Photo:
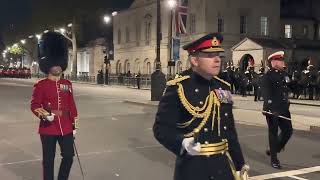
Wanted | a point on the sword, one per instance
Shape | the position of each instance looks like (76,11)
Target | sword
(282,117)
(77,154)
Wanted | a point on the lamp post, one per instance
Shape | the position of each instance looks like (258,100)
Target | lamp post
(158,79)
(110,50)
(171,63)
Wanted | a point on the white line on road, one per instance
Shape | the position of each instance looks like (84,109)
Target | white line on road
(296,177)
(19,162)
(85,154)
(287,173)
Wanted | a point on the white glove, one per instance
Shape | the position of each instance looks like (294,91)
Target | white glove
(191,148)
(50,117)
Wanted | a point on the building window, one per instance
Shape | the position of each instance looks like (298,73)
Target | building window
(118,68)
(243,24)
(287,31)
(220,24)
(119,36)
(127,35)
(264,26)
(192,23)
(305,31)
(127,67)
(148,33)
(138,34)
(148,68)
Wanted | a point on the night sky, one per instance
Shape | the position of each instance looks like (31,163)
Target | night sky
(20,18)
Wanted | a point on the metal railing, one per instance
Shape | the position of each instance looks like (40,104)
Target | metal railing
(144,81)
(82,78)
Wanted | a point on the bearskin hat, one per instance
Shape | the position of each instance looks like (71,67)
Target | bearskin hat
(53,51)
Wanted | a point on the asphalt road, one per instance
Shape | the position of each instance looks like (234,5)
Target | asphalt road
(115,139)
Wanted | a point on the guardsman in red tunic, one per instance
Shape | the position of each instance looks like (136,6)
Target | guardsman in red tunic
(53,103)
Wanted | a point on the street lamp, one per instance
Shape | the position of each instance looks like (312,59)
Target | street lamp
(30,37)
(172,4)
(46,31)
(70,25)
(62,30)
(107,19)
(171,63)
(23,41)
(114,13)
(38,36)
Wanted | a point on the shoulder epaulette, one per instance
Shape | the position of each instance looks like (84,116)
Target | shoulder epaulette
(176,80)
(221,80)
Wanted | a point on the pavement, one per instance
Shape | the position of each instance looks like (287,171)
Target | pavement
(115,139)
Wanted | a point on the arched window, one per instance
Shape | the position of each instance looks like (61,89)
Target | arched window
(127,66)
(148,68)
(137,67)
(118,67)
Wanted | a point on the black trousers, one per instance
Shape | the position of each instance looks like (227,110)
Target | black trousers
(278,141)
(48,154)
(203,168)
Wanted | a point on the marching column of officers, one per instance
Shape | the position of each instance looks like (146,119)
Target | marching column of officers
(15,72)
(303,84)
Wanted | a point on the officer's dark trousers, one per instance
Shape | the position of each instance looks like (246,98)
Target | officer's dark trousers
(203,168)
(48,153)
(278,141)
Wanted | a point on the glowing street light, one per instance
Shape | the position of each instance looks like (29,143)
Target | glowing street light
(15,45)
(31,36)
(46,31)
(38,36)
(172,4)
(114,13)
(107,19)
(70,25)
(62,30)
(23,41)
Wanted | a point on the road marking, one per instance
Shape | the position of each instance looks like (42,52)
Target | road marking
(296,177)
(85,154)
(287,173)
(20,162)
(14,84)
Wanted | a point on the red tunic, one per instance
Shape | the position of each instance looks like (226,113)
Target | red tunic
(56,96)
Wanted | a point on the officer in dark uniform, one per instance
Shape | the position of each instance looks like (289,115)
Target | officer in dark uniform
(312,78)
(276,103)
(53,103)
(257,84)
(195,120)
